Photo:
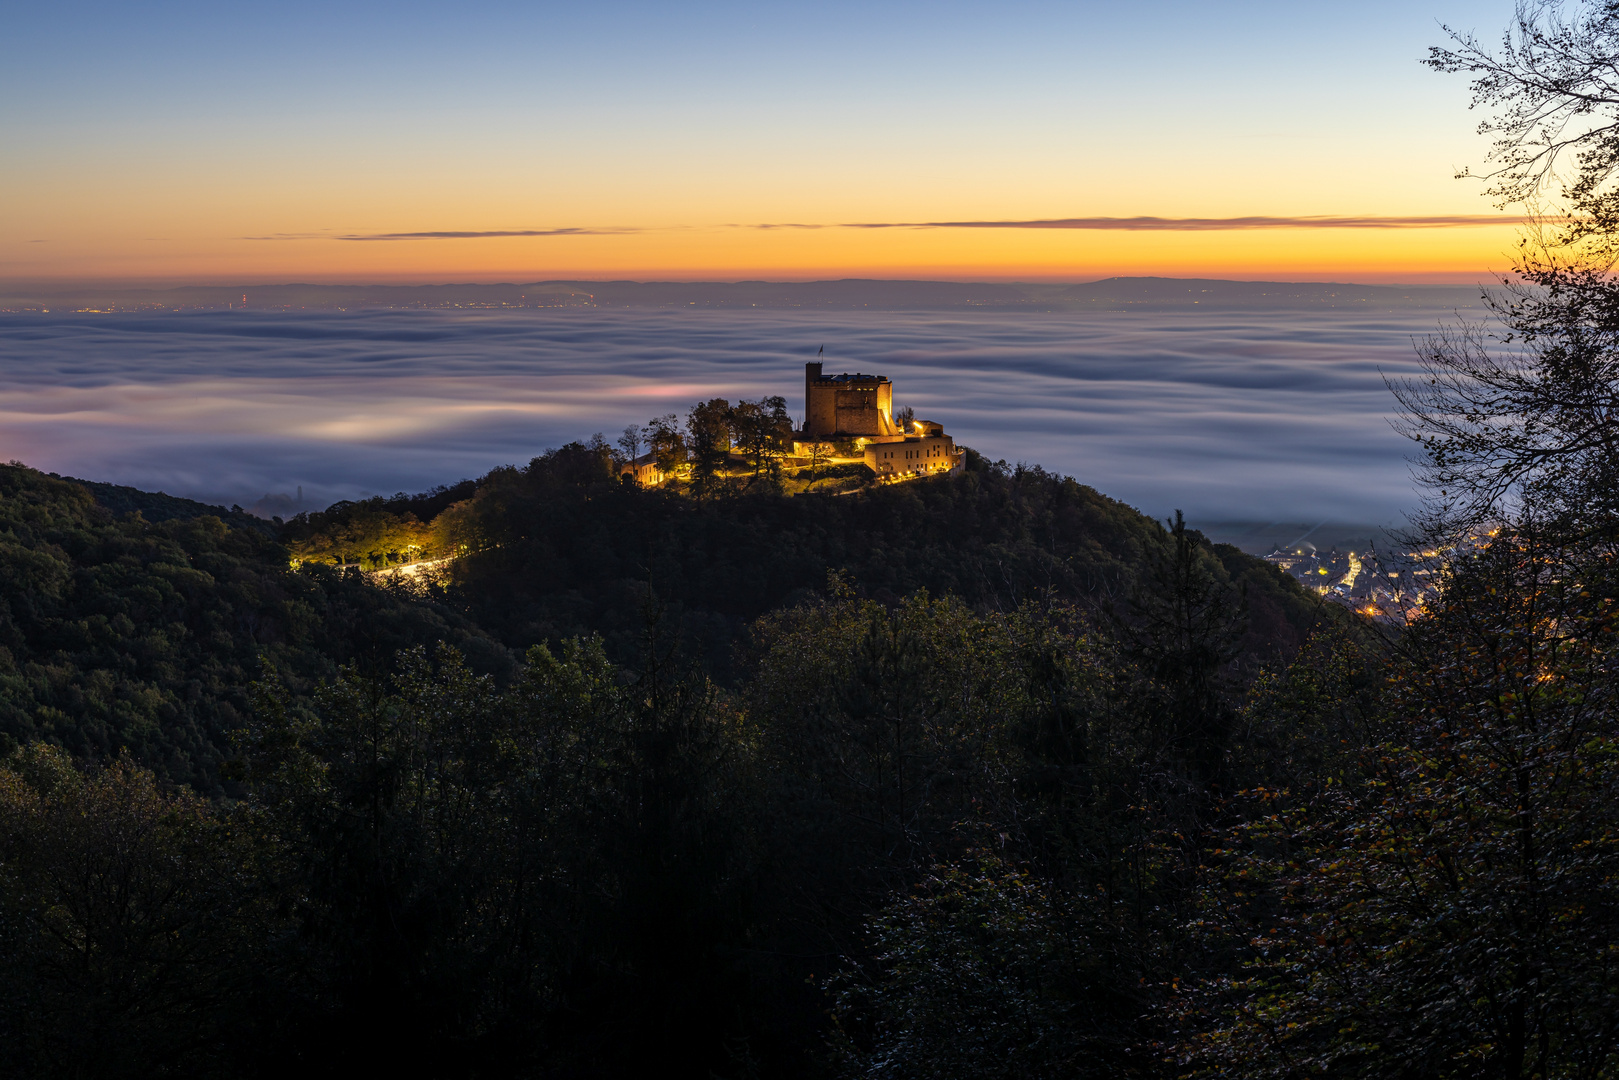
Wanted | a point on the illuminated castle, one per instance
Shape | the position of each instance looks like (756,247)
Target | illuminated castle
(847,406)
(860,408)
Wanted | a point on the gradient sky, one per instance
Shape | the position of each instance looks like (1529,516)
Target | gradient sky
(173,142)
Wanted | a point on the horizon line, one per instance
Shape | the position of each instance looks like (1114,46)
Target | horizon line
(14,284)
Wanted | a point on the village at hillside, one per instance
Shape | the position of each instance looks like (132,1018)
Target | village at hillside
(1391,585)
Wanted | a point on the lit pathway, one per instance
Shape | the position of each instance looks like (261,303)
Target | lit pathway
(408,570)
(1349,579)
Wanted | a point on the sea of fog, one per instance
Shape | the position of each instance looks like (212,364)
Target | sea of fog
(1226,415)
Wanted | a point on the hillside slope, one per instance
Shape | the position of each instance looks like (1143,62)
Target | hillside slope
(563,548)
(120,634)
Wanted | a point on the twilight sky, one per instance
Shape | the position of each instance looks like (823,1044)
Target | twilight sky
(188,142)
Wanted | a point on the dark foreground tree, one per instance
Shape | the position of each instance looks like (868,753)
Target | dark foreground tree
(136,923)
(549,879)
(1421,880)
(1184,626)
(1519,415)
(1442,900)
(987,972)
(1550,96)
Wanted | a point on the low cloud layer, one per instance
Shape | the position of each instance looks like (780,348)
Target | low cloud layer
(1226,415)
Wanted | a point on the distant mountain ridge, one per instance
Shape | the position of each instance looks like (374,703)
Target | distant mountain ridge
(852,294)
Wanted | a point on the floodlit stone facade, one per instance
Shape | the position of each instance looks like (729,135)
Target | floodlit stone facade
(860,409)
(923,453)
(847,406)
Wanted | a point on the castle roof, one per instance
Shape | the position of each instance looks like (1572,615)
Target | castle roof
(847,377)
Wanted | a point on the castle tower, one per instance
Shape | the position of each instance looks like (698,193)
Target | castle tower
(812,375)
(847,406)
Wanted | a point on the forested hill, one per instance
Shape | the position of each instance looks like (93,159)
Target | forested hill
(120,633)
(606,859)
(563,548)
(157,506)
(124,632)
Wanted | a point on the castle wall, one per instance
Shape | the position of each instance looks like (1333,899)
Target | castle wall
(820,404)
(915,455)
(865,409)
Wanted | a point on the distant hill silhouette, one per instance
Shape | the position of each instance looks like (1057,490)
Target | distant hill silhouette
(1160,292)
(848,294)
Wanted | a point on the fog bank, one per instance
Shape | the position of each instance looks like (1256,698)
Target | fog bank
(1233,414)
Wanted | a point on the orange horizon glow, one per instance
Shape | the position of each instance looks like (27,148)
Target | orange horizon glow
(1411,255)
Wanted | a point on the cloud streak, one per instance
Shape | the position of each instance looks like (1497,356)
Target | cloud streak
(1079,224)
(449,234)
(484,234)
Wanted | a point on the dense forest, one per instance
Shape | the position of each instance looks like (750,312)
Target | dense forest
(547,774)
(638,777)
